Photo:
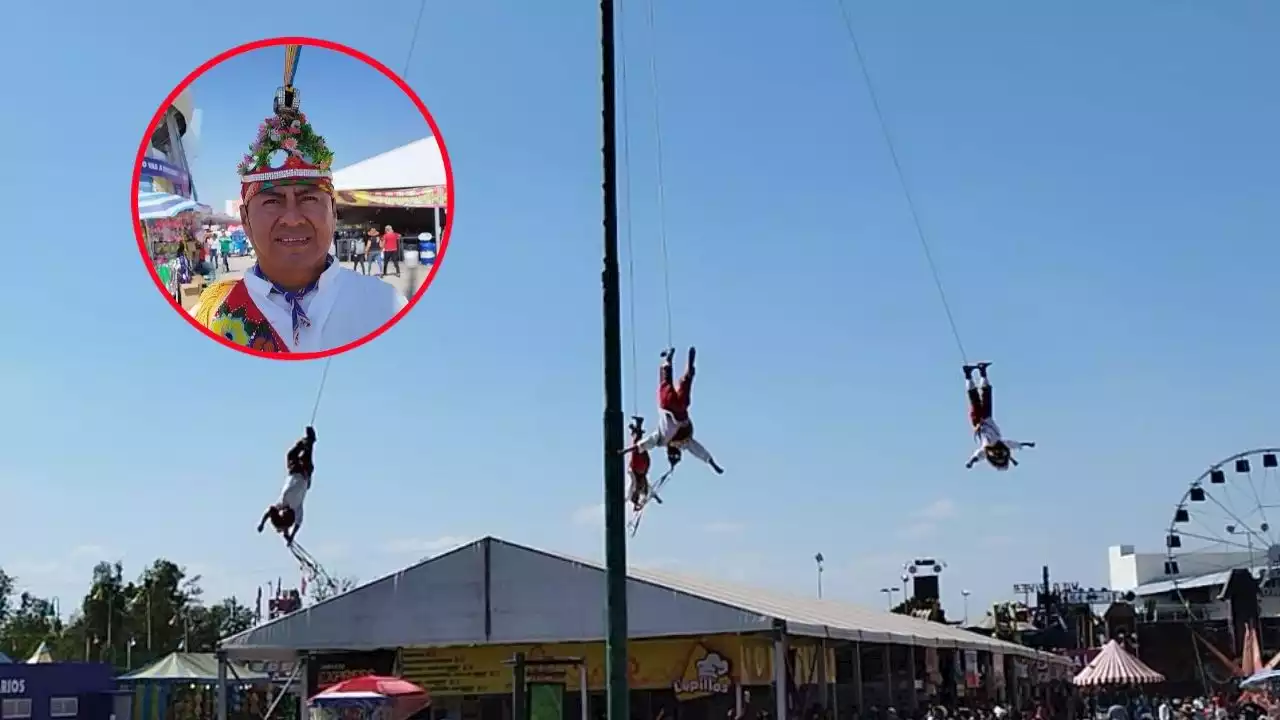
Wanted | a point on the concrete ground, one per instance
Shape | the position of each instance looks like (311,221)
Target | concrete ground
(412,275)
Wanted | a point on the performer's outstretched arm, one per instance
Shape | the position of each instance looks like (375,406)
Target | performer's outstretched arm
(265,516)
(651,441)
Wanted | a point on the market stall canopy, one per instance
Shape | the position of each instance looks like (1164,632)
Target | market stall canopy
(1115,666)
(192,667)
(156,205)
(410,176)
(41,656)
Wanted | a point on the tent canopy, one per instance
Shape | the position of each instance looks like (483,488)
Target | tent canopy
(41,655)
(156,205)
(1115,666)
(418,164)
(191,667)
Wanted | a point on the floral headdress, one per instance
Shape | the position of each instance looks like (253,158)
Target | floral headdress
(286,151)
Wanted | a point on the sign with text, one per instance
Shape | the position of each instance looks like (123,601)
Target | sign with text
(1033,588)
(172,175)
(328,669)
(13,686)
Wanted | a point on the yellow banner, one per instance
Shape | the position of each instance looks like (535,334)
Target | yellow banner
(421,197)
(691,667)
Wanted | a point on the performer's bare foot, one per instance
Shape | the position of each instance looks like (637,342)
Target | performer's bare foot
(669,354)
(982,368)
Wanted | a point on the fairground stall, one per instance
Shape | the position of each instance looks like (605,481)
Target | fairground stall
(168,208)
(700,649)
(405,188)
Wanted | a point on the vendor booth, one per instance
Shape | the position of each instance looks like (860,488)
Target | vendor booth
(180,686)
(406,188)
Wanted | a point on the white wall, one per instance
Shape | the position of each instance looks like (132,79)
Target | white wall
(1129,568)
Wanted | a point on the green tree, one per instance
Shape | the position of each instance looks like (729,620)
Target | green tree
(7,583)
(35,620)
(211,624)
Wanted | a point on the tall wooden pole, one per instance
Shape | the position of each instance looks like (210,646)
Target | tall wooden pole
(615,532)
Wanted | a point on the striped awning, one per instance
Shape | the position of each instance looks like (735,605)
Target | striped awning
(1115,666)
(156,205)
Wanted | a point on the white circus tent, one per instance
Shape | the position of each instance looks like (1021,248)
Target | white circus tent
(1115,666)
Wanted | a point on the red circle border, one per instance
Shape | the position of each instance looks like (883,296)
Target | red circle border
(442,242)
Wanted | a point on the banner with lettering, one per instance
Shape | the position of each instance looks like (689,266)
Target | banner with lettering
(328,669)
(691,668)
(173,178)
(432,196)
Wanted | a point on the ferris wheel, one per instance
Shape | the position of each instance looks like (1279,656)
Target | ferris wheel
(1227,519)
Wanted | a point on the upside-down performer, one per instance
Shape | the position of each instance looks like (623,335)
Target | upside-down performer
(286,514)
(297,298)
(992,446)
(675,429)
(638,466)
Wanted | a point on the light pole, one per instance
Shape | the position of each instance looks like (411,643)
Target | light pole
(888,593)
(819,560)
(905,580)
(965,622)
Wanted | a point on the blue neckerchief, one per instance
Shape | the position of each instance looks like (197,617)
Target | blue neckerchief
(297,314)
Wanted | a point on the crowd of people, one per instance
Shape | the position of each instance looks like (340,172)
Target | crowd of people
(1136,705)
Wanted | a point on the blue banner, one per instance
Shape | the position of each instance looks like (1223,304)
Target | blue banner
(152,167)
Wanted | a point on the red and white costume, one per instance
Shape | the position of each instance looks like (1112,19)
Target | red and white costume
(675,429)
(985,430)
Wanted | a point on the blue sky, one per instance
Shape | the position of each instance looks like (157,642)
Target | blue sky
(1098,185)
(360,112)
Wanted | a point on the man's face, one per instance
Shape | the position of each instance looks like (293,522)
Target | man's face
(291,229)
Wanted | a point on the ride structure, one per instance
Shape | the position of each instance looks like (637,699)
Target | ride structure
(1222,566)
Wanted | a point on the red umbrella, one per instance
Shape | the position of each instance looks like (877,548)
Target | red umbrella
(389,686)
(406,698)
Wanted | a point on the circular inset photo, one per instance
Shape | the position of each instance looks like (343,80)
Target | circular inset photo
(292,198)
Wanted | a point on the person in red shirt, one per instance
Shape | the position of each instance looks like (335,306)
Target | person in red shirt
(638,467)
(390,250)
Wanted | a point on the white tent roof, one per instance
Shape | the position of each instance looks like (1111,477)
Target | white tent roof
(418,164)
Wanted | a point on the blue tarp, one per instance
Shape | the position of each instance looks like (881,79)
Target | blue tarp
(156,205)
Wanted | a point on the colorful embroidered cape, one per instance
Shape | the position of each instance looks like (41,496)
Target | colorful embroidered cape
(226,308)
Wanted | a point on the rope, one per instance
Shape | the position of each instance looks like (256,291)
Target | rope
(657,134)
(626,206)
(315,409)
(413,41)
(415,270)
(902,178)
